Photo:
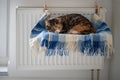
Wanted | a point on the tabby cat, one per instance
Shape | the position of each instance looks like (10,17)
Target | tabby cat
(70,23)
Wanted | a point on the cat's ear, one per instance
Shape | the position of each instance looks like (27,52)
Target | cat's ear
(55,21)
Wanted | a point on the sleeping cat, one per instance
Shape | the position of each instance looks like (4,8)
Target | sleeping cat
(70,23)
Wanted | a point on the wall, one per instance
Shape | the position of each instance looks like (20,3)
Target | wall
(3,25)
(115,64)
(55,3)
(3,32)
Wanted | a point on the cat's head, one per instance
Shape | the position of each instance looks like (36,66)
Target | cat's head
(53,25)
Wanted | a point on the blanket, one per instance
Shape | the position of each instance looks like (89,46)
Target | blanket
(65,44)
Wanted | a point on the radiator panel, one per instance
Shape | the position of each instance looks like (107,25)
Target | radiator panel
(26,59)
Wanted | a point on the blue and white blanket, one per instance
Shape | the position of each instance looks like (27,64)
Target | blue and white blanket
(65,44)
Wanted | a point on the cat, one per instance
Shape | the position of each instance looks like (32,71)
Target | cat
(70,23)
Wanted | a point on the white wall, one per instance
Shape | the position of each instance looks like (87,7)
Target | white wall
(56,3)
(3,25)
(3,32)
(115,64)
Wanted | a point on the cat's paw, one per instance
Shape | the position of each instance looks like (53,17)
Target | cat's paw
(73,32)
(57,31)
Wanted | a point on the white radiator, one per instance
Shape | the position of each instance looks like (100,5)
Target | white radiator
(28,60)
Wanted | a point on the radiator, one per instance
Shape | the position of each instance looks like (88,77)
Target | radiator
(27,59)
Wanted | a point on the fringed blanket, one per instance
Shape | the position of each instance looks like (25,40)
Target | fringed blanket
(65,44)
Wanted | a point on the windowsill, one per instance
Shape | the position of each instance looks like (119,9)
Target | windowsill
(3,71)
(3,66)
